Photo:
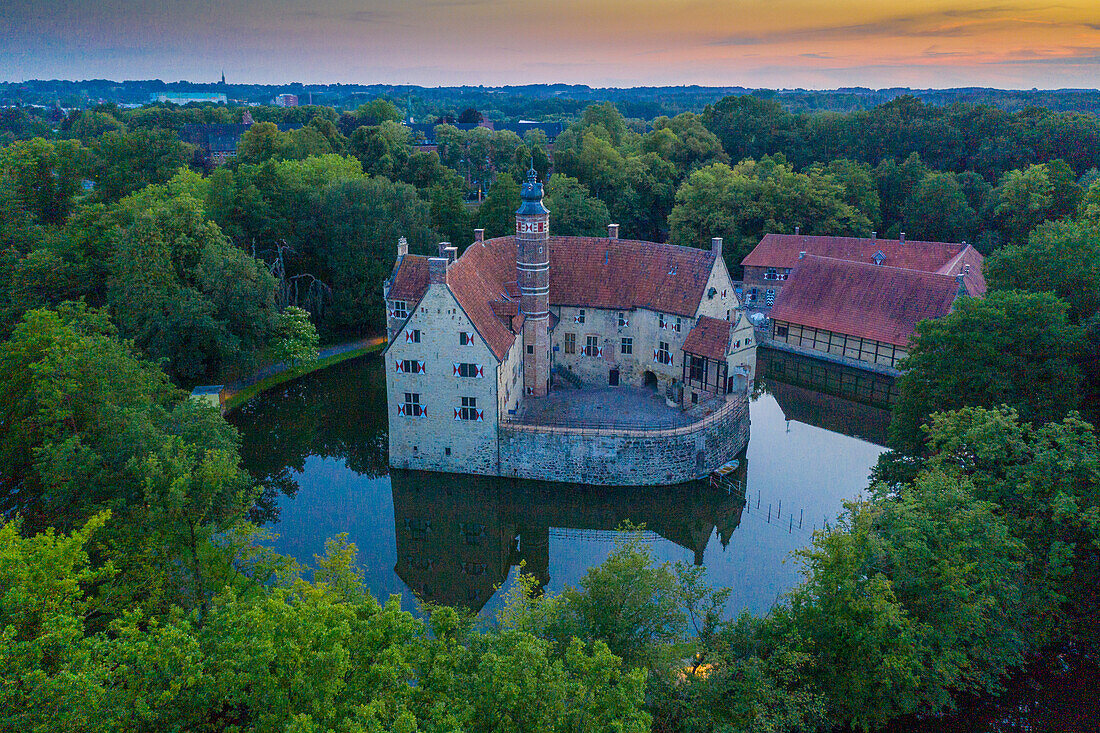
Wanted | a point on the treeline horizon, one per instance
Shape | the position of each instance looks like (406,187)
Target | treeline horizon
(550,99)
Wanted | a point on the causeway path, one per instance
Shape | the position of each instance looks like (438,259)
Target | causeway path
(271,370)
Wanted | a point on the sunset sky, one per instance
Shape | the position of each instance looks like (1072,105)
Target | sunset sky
(772,43)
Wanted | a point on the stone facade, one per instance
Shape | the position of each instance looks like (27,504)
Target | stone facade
(625,457)
(473,338)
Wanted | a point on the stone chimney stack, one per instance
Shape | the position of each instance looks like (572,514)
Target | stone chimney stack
(716,247)
(479,235)
(437,270)
(796,230)
(448,252)
(612,231)
(402,246)
(901,237)
(874,236)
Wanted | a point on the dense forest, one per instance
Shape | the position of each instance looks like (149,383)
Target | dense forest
(136,590)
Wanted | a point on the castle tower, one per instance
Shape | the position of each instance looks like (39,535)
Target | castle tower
(533,278)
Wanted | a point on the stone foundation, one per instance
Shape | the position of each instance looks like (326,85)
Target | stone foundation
(625,457)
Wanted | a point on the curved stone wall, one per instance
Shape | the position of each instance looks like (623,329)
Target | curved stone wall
(624,457)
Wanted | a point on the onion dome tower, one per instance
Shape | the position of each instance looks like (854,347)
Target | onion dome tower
(533,279)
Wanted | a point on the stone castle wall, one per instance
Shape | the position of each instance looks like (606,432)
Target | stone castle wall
(621,457)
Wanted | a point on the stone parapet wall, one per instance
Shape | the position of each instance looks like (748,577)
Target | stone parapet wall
(625,457)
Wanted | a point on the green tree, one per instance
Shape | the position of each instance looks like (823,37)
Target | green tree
(1059,257)
(92,124)
(938,211)
(259,143)
(183,292)
(497,213)
(377,111)
(1020,202)
(127,162)
(42,177)
(1008,348)
(294,339)
(382,149)
(574,211)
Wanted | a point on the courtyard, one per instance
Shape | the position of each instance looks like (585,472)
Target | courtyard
(605,407)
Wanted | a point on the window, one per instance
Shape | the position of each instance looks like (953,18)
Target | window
(474,371)
(469,410)
(465,339)
(776,274)
(661,321)
(400,309)
(592,345)
(662,355)
(627,346)
(447,451)
(622,320)
(410,366)
(571,343)
(530,348)
(695,368)
(748,341)
(412,406)
(779,331)
(676,327)
(412,337)
(727,314)
(579,318)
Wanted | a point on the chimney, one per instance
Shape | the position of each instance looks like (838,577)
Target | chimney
(443,248)
(801,255)
(451,253)
(402,246)
(612,231)
(874,236)
(716,247)
(479,235)
(901,238)
(437,270)
(796,229)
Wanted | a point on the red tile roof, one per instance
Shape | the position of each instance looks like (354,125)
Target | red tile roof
(710,338)
(625,274)
(865,300)
(410,279)
(584,271)
(782,250)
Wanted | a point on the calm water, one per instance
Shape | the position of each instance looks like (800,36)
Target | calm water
(320,443)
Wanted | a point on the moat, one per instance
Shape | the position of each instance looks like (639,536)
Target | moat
(320,443)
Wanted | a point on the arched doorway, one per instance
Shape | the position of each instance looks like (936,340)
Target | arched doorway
(649,380)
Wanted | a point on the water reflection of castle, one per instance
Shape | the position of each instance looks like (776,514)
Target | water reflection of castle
(458,536)
(837,398)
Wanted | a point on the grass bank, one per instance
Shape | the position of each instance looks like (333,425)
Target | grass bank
(245,394)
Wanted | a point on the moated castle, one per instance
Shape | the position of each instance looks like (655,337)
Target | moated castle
(582,359)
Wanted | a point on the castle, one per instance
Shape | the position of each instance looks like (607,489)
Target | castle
(497,359)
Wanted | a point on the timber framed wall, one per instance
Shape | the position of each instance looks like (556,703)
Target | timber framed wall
(839,344)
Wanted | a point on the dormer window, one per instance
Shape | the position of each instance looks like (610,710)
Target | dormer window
(879,257)
(400,309)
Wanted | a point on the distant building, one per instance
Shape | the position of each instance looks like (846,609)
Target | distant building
(188,97)
(217,143)
(769,265)
(286,100)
